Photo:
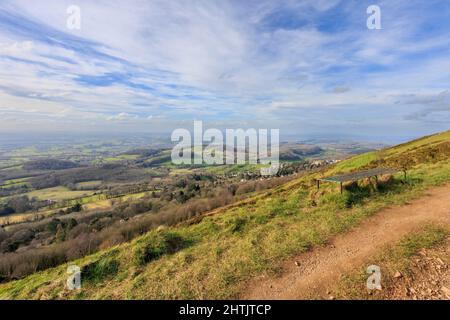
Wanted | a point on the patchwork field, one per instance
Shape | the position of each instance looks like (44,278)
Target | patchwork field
(58,193)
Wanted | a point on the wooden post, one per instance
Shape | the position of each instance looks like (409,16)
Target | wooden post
(404,171)
(318,184)
(341,187)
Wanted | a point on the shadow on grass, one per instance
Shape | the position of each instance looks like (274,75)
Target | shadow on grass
(104,268)
(355,193)
(154,246)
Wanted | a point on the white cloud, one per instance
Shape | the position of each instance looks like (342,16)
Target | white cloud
(121,117)
(218,59)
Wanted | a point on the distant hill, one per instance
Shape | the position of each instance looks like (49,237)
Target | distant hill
(296,151)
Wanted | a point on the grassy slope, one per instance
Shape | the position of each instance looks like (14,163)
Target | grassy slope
(213,257)
(395,258)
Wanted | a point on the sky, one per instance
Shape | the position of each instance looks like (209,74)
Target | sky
(309,68)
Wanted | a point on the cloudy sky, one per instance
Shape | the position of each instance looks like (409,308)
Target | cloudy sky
(308,67)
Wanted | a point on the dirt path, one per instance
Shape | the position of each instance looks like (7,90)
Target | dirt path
(312,274)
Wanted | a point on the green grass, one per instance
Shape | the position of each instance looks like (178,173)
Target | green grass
(15,183)
(98,271)
(121,157)
(355,162)
(215,257)
(86,198)
(175,172)
(430,140)
(97,202)
(156,244)
(236,168)
(89,184)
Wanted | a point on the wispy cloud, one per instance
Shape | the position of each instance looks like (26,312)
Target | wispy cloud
(297,65)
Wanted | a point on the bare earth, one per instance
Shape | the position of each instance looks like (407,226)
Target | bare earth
(312,274)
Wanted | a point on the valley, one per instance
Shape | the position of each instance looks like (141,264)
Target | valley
(57,209)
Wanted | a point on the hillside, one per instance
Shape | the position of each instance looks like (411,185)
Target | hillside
(215,256)
(316,273)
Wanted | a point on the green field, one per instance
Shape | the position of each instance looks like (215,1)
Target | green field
(15,183)
(58,194)
(230,169)
(89,184)
(119,158)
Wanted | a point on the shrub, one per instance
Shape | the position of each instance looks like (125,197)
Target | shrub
(115,238)
(5,211)
(76,231)
(106,267)
(3,235)
(355,194)
(18,204)
(60,235)
(72,223)
(76,207)
(236,224)
(157,244)
(53,225)
(13,242)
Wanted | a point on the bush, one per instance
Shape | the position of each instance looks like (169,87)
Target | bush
(72,223)
(155,245)
(14,266)
(356,193)
(76,231)
(14,241)
(236,224)
(3,235)
(105,267)
(76,208)
(8,246)
(6,211)
(114,239)
(53,225)
(18,204)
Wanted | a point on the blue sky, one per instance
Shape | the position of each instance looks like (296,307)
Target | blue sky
(307,67)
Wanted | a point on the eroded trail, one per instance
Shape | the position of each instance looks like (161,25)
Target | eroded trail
(312,274)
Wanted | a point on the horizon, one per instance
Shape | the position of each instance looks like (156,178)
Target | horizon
(64,137)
